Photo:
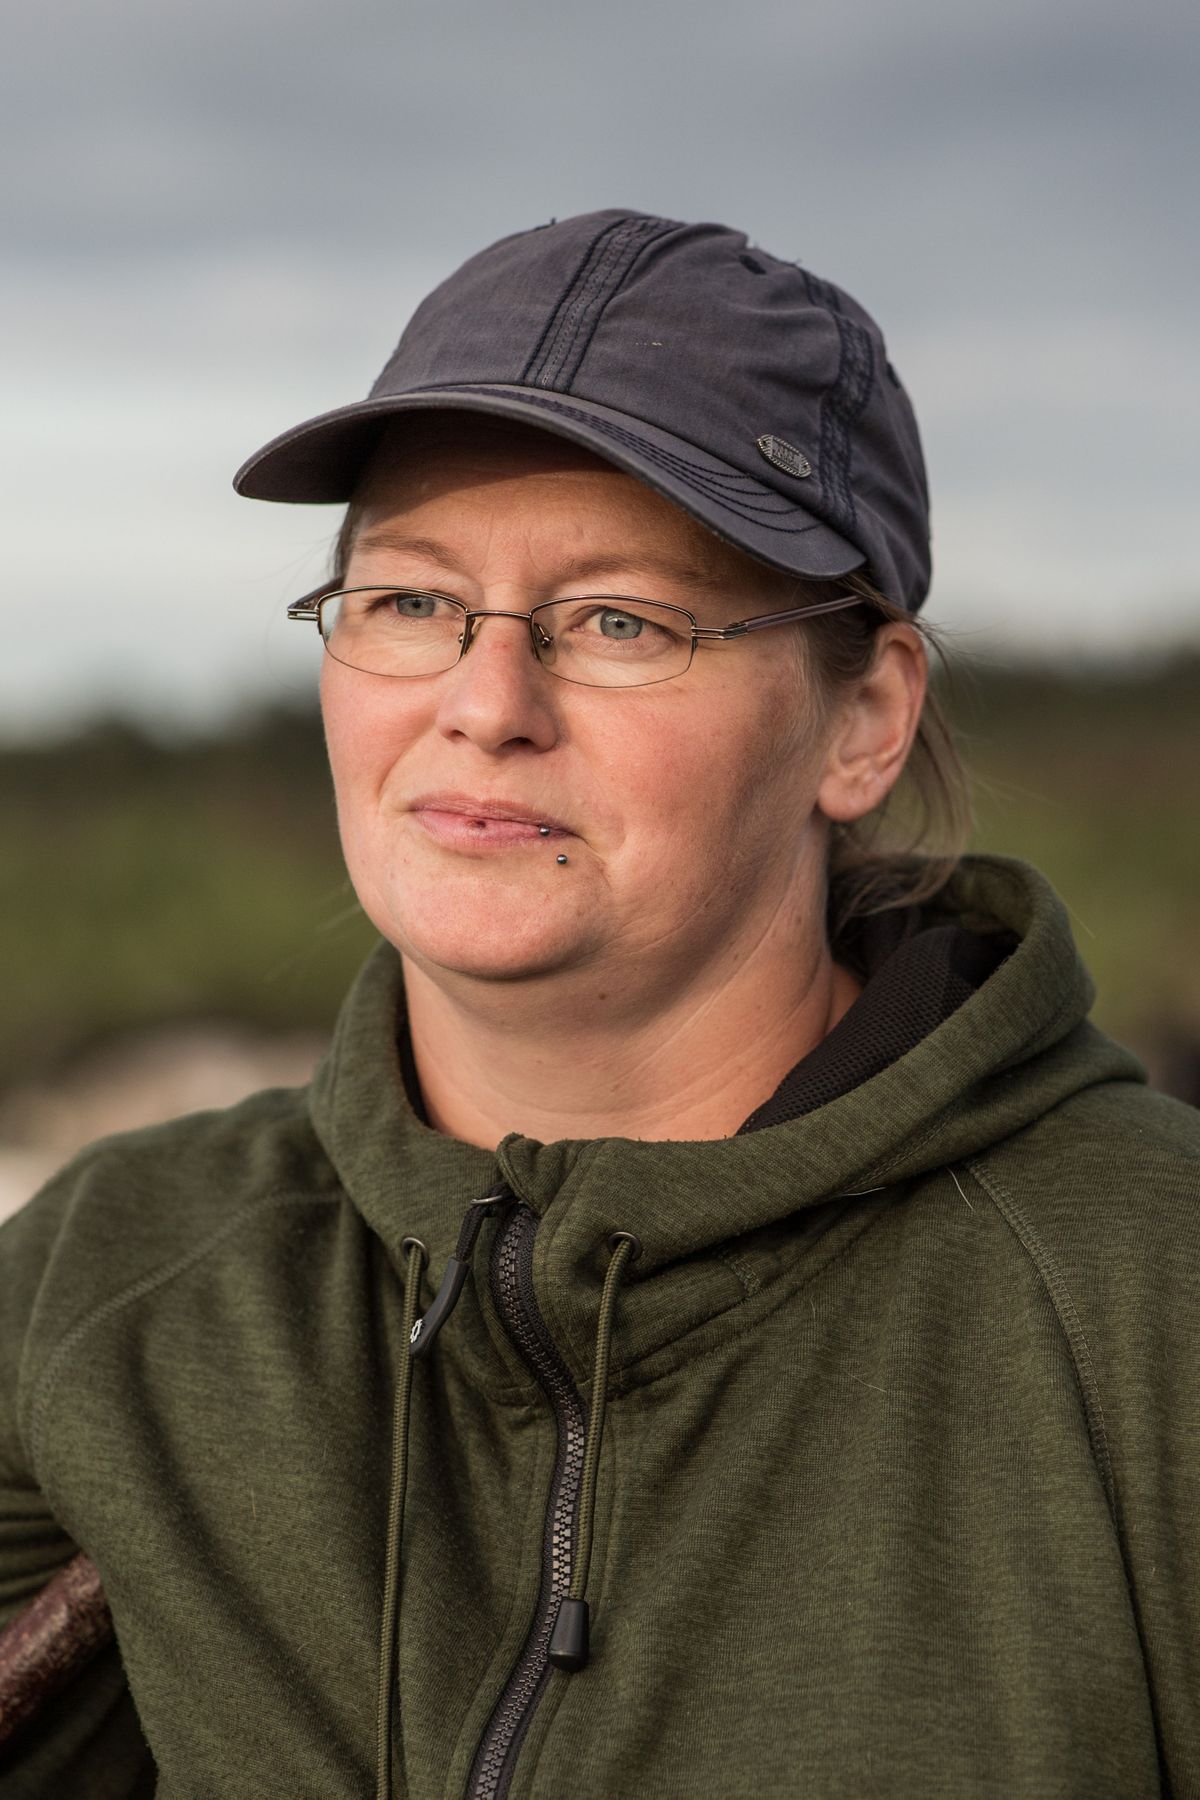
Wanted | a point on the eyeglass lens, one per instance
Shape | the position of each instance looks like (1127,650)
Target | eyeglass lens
(596,641)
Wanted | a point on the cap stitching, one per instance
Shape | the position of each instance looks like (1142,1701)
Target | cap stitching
(552,316)
(569,299)
(592,280)
(843,406)
(754,502)
(583,343)
(596,283)
(731,477)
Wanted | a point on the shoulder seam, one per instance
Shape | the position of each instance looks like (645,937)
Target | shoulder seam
(1069,1321)
(137,1290)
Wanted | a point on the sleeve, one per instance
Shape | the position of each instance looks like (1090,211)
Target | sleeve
(1147,1372)
(86,1743)
(1110,1211)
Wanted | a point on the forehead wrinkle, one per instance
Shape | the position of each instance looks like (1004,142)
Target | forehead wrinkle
(583,568)
(589,568)
(383,538)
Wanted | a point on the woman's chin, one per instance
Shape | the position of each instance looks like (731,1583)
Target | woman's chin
(479,960)
(489,942)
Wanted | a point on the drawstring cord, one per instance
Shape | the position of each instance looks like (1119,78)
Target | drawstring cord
(416,1257)
(569,1639)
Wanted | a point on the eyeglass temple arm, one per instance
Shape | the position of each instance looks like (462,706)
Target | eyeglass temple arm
(307,605)
(762,620)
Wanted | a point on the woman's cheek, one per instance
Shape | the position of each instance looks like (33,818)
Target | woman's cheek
(367,739)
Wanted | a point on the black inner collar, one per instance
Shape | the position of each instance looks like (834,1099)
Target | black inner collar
(916,973)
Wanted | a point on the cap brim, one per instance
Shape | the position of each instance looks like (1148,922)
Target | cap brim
(322,460)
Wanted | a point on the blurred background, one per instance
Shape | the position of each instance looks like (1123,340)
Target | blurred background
(216,222)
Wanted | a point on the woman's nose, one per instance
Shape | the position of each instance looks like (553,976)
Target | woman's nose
(498,693)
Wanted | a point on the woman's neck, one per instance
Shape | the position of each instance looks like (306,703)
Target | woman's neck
(572,1058)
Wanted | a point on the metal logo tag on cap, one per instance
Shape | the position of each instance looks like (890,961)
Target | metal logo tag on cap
(784,456)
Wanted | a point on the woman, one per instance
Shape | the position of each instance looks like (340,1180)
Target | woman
(721,1319)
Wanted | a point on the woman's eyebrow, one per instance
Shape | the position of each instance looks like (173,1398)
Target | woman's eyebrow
(591,568)
(588,568)
(384,539)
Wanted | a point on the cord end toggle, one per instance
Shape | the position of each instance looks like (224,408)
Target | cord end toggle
(569,1639)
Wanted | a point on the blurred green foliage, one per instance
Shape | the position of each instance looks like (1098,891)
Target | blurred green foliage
(1094,776)
(143,882)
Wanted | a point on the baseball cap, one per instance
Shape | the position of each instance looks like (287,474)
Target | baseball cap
(747,390)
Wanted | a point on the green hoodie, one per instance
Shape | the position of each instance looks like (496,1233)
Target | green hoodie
(898,1491)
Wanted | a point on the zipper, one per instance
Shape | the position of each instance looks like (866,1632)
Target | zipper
(512,1292)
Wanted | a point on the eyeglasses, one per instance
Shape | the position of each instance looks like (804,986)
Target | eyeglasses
(595,640)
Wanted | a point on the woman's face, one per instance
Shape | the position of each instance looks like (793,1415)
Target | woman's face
(685,810)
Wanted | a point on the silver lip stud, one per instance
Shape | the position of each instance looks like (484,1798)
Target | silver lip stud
(544,830)
(561,859)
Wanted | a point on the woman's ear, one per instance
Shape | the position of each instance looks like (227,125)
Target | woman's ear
(875,726)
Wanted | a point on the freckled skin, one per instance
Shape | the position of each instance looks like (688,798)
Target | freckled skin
(697,841)
(682,796)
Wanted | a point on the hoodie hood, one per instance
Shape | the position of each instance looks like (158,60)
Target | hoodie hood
(1010,1048)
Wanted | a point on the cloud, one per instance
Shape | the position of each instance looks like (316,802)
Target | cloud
(224,214)
(220,123)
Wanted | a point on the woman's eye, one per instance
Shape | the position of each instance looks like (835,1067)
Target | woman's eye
(620,625)
(642,629)
(415,606)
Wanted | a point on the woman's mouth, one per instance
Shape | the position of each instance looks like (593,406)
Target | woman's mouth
(459,827)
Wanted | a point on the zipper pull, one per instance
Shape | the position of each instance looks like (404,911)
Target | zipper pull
(457,1269)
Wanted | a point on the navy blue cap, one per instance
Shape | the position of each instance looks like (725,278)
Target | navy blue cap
(747,390)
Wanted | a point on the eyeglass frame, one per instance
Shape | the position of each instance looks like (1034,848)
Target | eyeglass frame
(309,607)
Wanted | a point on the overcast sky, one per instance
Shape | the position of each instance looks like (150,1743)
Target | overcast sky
(219,216)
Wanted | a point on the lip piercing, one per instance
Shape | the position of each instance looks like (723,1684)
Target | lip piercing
(544,830)
(561,859)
